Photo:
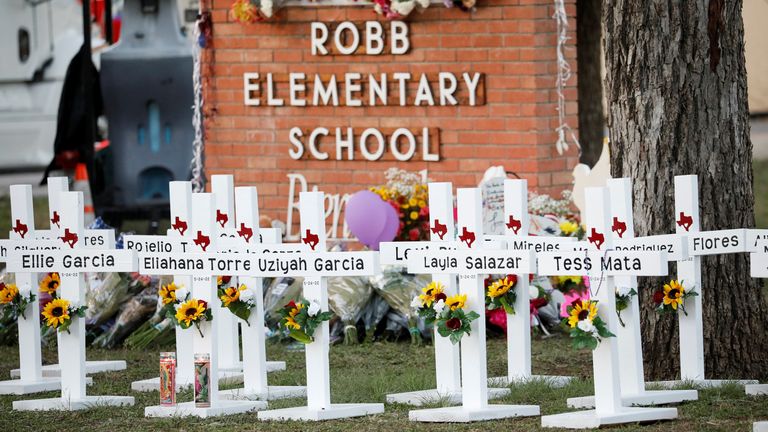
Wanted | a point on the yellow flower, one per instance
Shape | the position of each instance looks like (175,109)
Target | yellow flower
(430,292)
(295,311)
(499,288)
(244,12)
(231,294)
(56,312)
(290,322)
(168,293)
(583,310)
(422,203)
(568,227)
(190,311)
(7,293)
(414,215)
(562,280)
(413,202)
(673,294)
(456,301)
(50,283)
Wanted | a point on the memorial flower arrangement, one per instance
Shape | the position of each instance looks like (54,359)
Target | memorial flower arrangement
(586,328)
(451,320)
(13,300)
(192,312)
(671,297)
(302,318)
(239,300)
(501,294)
(426,302)
(171,296)
(624,295)
(58,312)
(252,11)
(408,194)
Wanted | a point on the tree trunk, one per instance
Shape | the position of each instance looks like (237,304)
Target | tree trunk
(590,83)
(677,102)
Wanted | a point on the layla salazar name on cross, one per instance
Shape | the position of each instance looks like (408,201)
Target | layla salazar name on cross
(262,265)
(469,263)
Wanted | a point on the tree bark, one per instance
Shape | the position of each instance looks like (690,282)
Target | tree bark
(677,101)
(590,83)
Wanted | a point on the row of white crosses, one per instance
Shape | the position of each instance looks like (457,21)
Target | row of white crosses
(32,376)
(67,255)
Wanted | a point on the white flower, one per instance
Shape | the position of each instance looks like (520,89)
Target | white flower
(246,295)
(267,8)
(623,290)
(586,326)
(25,291)
(313,309)
(181,294)
(439,306)
(416,303)
(533,291)
(403,7)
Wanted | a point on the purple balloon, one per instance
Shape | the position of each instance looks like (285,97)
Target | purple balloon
(390,227)
(365,216)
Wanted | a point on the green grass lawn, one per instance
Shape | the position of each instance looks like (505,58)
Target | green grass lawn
(366,373)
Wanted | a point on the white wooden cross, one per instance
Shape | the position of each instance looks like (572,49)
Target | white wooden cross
(603,263)
(30,359)
(759,269)
(203,287)
(699,243)
(628,338)
(71,262)
(313,234)
(255,365)
(464,262)
(516,222)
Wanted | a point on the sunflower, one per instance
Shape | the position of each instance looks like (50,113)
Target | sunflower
(582,310)
(291,323)
(430,292)
(168,293)
(50,283)
(295,310)
(8,292)
(56,312)
(456,301)
(231,294)
(568,227)
(190,311)
(563,280)
(499,288)
(673,294)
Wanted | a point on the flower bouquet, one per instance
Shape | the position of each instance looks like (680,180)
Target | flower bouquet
(671,297)
(423,303)
(500,294)
(347,297)
(239,300)
(585,327)
(451,320)
(14,301)
(624,296)
(408,194)
(399,289)
(302,318)
(58,313)
(192,312)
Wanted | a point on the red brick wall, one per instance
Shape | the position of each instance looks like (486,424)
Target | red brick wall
(512,42)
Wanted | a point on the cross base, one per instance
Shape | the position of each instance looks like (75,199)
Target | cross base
(761,426)
(272,393)
(61,404)
(465,415)
(333,411)
(756,389)
(153,384)
(272,366)
(424,397)
(91,367)
(646,398)
(188,409)
(554,381)
(591,419)
(21,387)
(705,383)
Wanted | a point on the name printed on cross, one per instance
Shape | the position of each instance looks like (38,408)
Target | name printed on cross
(670,243)
(267,265)
(717,242)
(471,262)
(397,253)
(150,243)
(534,243)
(82,260)
(612,263)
